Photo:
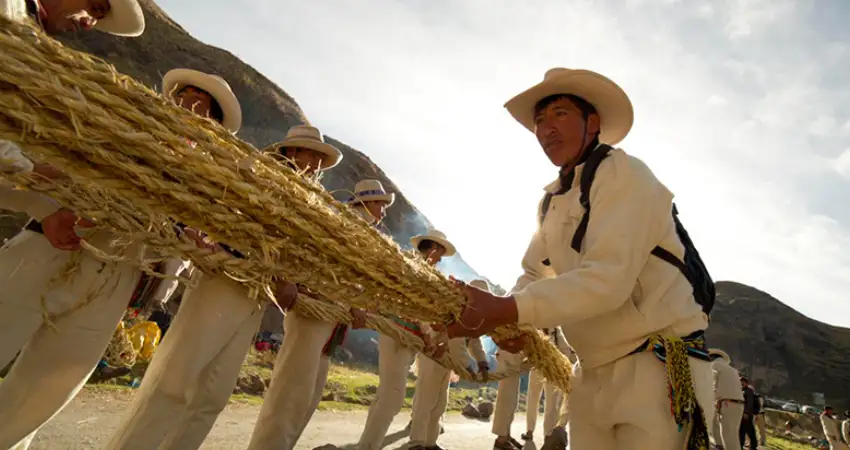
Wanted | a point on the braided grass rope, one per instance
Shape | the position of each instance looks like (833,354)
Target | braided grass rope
(125,149)
(331,312)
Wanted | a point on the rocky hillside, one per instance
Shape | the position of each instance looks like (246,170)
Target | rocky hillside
(787,354)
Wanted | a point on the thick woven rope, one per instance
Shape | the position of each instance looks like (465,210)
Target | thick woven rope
(125,149)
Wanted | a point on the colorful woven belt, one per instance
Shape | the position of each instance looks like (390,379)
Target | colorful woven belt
(687,413)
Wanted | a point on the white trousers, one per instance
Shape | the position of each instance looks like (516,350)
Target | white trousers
(507,396)
(54,363)
(625,405)
(300,373)
(194,369)
(432,389)
(394,362)
(727,424)
(551,407)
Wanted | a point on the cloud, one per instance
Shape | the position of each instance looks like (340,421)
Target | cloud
(741,109)
(842,164)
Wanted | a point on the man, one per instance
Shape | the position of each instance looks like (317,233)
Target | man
(730,401)
(293,399)
(830,429)
(611,278)
(760,420)
(748,429)
(195,368)
(302,363)
(395,360)
(57,357)
(432,387)
(556,413)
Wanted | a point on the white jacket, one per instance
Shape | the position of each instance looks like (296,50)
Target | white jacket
(613,295)
(727,381)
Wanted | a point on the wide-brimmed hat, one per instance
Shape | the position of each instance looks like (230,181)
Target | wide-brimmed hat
(125,18)
(306,136)
(616,114)
(214,85)
(371,191)
(480,284)
(434,236)
(720,353)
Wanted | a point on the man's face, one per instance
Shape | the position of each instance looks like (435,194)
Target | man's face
(196,100)
(743,384)
(310,161)
(560,129)
(378,209)
(73,15)
(433,253)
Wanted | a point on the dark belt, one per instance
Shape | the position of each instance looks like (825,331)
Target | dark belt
(34,226)
(696,347)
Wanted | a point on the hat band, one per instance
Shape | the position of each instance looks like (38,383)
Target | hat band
(370,192)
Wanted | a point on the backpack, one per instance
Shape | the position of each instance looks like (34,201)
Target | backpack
(692,267)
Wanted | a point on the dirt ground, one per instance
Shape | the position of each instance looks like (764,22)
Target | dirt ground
(90,419)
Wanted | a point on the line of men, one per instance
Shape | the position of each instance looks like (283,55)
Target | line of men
(193,373)
(612,280)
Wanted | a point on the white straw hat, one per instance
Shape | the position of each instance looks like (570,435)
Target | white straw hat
(615,110)
(480,284)
(720,353)
(434,236)
(306,136)
(214,85)
(125,18)
(371,190)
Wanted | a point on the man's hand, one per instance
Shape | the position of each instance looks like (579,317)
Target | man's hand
(433,347)
(484,370)
(48,171)
(359,316)
(515,345)
(483,313)
(200,239)
(59,229)
(286,294)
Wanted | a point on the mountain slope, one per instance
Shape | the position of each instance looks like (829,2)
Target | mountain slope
(785,353)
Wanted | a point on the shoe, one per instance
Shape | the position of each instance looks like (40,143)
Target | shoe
(556,441)
(528,436)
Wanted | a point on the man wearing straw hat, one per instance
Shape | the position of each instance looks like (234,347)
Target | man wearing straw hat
(432,387)
(195,369)
(729,398)
(83,308)
(613,278)
(395,359)
(301,367)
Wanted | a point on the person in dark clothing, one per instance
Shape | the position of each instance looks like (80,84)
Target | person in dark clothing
(751,407)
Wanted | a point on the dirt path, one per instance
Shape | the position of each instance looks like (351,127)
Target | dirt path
(88,422)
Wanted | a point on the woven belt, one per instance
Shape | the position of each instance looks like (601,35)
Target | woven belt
(686,411)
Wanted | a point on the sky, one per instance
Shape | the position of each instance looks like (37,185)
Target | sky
(741,109)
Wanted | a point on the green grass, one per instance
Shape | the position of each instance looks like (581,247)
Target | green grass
(777,443)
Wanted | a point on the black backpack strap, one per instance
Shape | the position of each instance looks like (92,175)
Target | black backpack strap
(673,260)
(588,173)
(544,207)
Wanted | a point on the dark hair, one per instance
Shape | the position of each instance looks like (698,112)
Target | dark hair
(425,245)
(216,113)
(583,105)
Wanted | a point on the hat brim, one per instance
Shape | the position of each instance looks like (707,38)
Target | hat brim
(125,18)
(389,198)
(333,155)
(615,110)
(450,248)
(230,108)
(721,354)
